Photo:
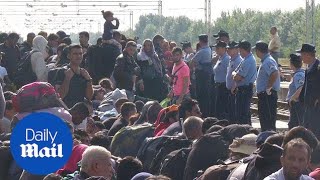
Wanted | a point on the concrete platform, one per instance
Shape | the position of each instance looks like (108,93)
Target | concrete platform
(281,125)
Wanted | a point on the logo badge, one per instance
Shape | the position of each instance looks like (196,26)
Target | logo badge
(41,143)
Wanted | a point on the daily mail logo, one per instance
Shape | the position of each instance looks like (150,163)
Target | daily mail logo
(32,150)
(41,143)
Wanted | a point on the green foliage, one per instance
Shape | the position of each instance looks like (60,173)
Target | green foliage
(249,24)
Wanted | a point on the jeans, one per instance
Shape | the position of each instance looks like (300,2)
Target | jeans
(267,110)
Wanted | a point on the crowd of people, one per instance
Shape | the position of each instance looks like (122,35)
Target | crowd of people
(158,111)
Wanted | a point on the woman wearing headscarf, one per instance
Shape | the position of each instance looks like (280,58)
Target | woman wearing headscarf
(157,41)
(39,54)
(152,72)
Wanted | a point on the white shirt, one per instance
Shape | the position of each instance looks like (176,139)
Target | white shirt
(280,176)
(275,43)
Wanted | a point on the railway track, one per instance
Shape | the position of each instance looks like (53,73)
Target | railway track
(282,114)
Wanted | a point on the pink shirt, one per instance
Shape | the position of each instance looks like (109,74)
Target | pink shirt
(178,73)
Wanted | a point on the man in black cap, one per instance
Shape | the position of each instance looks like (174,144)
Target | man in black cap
(11,56)
(220,74)
(222,36)
(203,73)
(310,96)
(244,76)
(295,87)
(267,85)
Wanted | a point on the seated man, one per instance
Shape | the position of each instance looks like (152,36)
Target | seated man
(96,161)
(127,110)
(295,160)
(188,107)
(193,127)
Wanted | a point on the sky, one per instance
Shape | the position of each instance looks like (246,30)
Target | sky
(51,15)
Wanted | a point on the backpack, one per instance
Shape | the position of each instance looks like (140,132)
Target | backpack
(174,163)
(127,141)
(171,144)
(205,153)
(35,96)
(55,76)
(149,149)
(25,74)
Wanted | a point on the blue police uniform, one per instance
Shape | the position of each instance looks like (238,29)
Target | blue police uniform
(296,83)
(267,104)
(310,98)
(248,70)
(296,110)
(221,91)
(203,75)
(233,64)
(220,69)
(230,83)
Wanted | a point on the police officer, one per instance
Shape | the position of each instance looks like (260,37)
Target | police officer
(222,36)
(203,72)
(295,88)
(310,96)
(267,84)
(220,73)
(244,76)
(235,59)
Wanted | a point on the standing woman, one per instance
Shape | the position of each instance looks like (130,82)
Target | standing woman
(152,72)
(157,41)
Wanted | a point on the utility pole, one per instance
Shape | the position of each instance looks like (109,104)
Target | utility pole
(206,13)
(307,20)
(160,14)
(131,20)
(312,23)
(209,21)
